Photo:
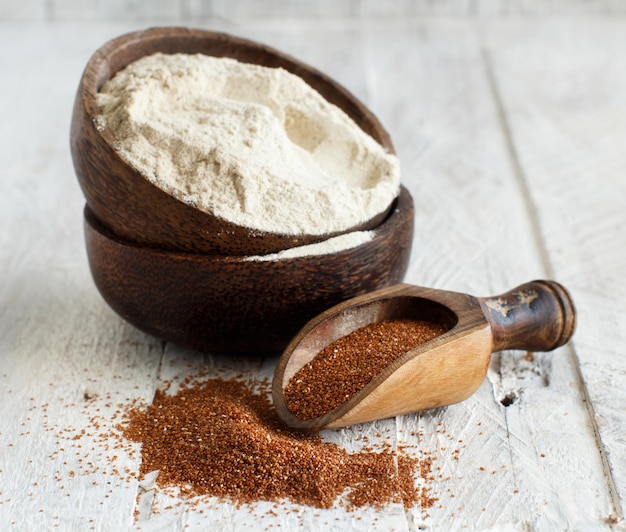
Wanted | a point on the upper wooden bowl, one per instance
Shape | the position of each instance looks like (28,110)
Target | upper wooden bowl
(233,304)
(135,209)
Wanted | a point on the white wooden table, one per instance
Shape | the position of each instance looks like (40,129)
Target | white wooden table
(512,137)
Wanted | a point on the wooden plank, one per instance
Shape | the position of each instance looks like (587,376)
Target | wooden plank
(25,11)
(71,10)
(66,358)
(249,10)
(553,8)
(534,463)
(568,128)
(192,10)
(154,11)
(282,9)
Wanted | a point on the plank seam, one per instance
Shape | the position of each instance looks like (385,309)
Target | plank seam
(136,516)
(516,165)
(617,512)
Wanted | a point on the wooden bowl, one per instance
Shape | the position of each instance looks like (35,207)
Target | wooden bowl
(135,209)
(231,304)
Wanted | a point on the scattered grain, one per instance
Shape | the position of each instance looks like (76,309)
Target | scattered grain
(221,438)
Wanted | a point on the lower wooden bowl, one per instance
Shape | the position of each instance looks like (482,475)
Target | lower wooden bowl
(234,304)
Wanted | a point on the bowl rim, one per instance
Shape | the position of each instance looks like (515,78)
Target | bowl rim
(401,212)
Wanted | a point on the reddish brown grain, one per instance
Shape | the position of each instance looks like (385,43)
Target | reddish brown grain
(222,439)
(343,367)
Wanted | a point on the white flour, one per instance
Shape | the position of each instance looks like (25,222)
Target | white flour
(332,245)
(256,146)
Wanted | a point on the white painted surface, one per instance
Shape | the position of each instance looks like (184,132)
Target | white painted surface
(251,10)
(511,135)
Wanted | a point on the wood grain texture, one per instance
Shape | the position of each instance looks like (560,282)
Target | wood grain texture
(27,11)
(552,459)
(251,10)
(438,102)
(536,316)
(575,176)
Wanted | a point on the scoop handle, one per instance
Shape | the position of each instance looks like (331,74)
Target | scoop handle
(535,316)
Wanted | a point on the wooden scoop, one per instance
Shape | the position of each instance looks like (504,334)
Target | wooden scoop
(536,316)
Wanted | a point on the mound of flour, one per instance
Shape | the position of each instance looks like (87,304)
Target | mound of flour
(256,146)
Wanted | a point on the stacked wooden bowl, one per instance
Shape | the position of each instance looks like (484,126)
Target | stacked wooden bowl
(187,276)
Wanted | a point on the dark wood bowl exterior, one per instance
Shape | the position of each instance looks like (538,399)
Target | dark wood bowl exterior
(226,304)
(135,209)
